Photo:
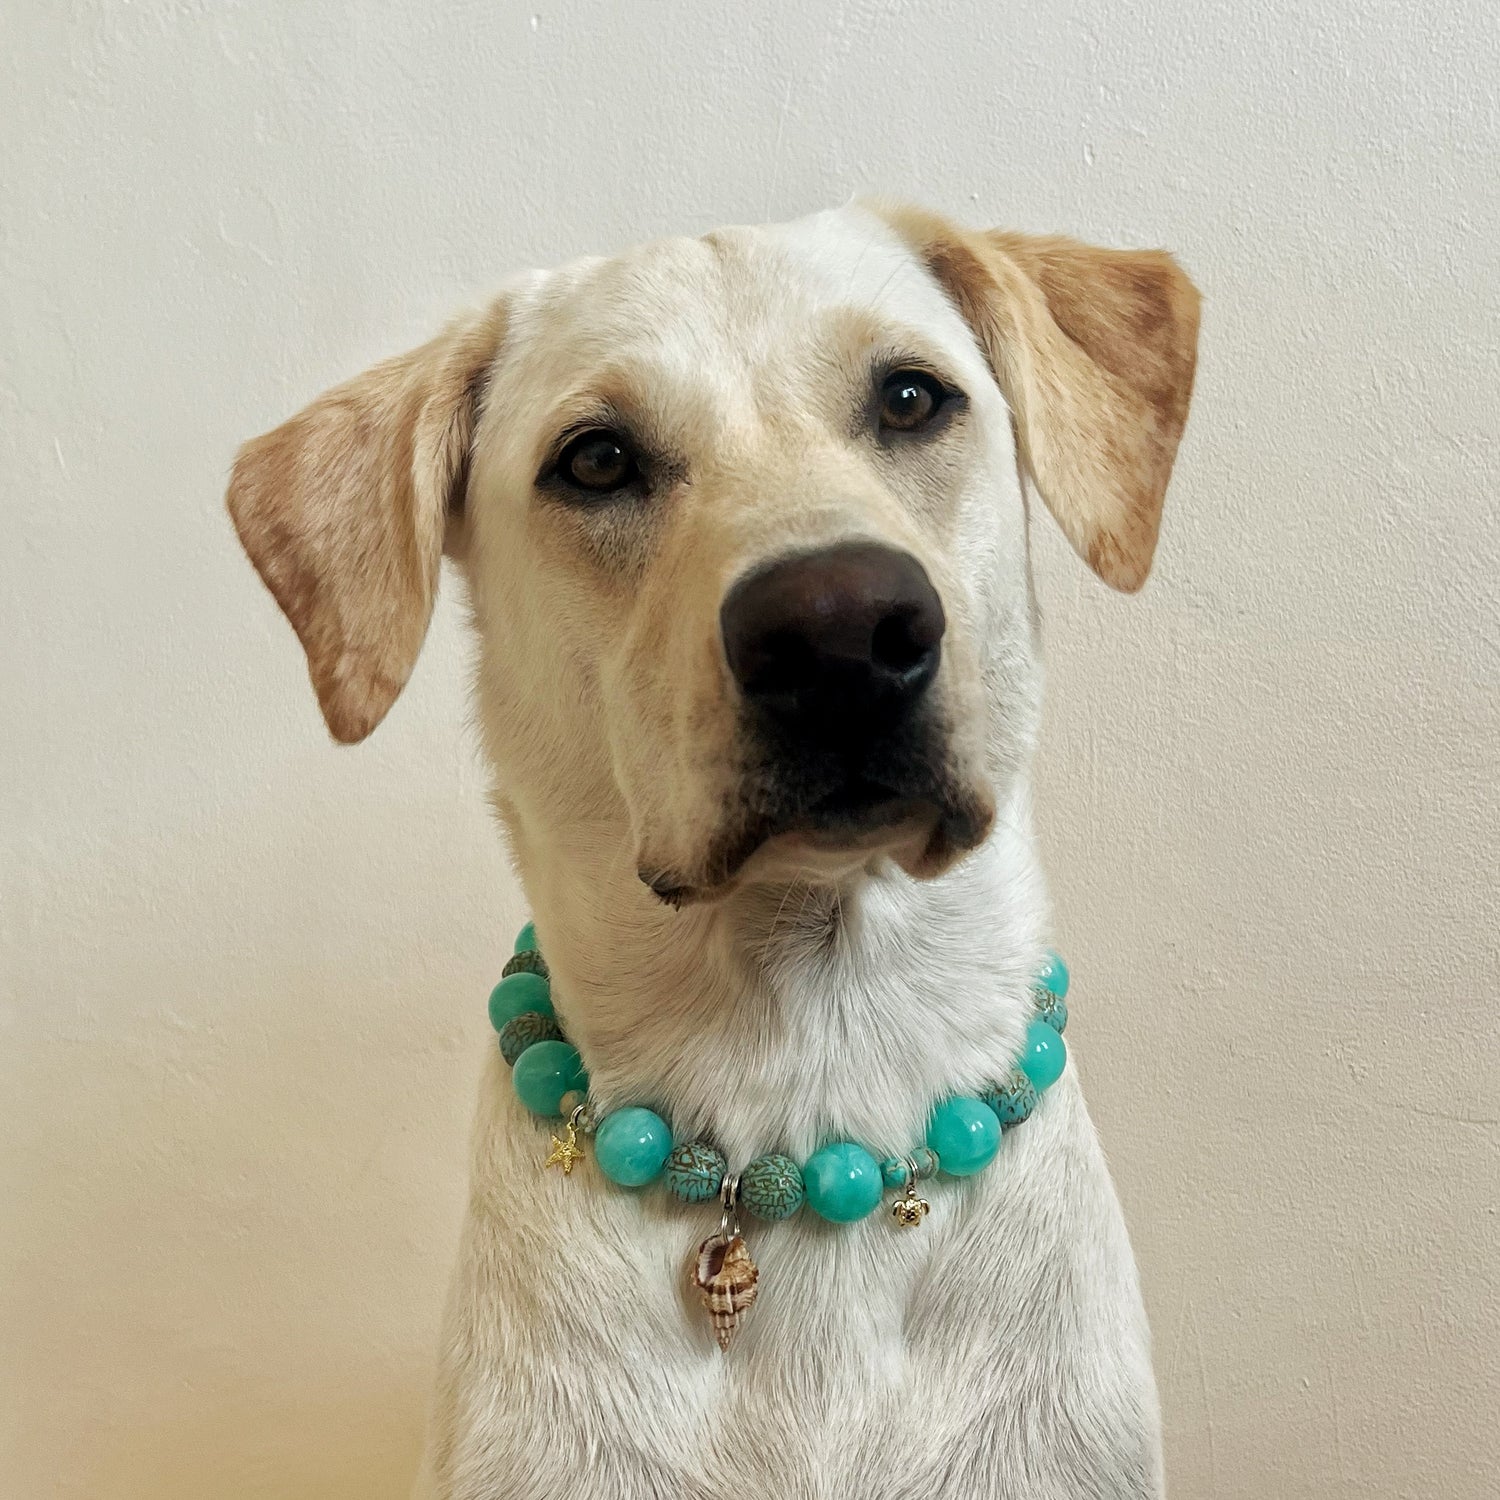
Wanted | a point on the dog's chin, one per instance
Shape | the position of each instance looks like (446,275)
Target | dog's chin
(832,840)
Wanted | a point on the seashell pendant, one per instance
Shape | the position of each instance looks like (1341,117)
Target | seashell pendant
(725,1277)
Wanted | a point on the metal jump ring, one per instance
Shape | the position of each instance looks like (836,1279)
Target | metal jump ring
(729,1196)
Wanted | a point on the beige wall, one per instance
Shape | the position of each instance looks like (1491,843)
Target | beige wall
(242,973)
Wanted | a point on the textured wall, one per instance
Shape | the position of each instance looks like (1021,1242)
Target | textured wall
(242,972)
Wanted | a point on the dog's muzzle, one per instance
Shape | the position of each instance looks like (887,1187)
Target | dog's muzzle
(834,653)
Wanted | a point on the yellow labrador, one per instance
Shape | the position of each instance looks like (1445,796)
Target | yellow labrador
(743,521)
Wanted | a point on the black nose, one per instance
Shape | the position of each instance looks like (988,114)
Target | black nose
(835,642)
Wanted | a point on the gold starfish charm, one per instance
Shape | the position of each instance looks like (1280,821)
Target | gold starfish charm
(565,1153)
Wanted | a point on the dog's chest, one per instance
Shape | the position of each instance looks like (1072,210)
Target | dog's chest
(997,1349)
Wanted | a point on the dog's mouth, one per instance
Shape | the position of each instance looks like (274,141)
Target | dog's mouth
(822,822)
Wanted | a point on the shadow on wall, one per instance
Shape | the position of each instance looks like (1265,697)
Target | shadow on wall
(243,1153)
(360,1444)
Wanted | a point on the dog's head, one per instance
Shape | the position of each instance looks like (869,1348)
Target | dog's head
(743,520)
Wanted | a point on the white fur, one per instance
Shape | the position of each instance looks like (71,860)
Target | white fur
(1001,1348)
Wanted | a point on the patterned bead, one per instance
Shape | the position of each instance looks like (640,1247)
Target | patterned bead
(771,1187)
(631,1146)
(965,1133)
(893,1168)
(1053,976)
(516,995)
(546,1071)
(1013,1100)
(1052,1009)
(526,939)
(695,1172)
(1044,1055)
(530,962)
(521,1031)
(843,1182)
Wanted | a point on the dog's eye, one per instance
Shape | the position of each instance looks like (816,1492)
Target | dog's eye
(909,400)
(598,461)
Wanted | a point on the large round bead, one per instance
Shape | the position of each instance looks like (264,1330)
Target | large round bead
(631,1146)
(526,939)
(1053,976)
(771,1188)
(519,995)
(544,1072)
(521,1031)
(1044,1055)
(843,1182)
(1012,1100)
(965,1133)
(695,1172)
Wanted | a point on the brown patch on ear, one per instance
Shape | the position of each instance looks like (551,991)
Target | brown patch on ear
(1094,349)
(344,508)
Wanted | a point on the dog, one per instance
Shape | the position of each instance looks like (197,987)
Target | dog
(744,526)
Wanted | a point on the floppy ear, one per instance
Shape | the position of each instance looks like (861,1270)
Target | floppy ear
(343,510)
(1094,350)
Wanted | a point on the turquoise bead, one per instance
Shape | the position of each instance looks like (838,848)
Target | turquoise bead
(771,1188)
(695,1172)
(1053,1010)
(965,1133)
(1053,976)
(893,1168)
(546,1071)
(519,995)
(843,1182)
(632,1145)
(1012,1100)
(526,939)
(523,1031)
(1044,1055)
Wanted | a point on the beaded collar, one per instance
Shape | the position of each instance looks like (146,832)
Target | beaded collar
(842,1182)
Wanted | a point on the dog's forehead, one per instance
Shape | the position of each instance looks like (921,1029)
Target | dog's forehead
(730,299)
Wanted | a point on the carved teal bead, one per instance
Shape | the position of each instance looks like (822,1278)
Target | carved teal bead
(695,1172)
(843,1182)
(526,939)
(1053,976)
(546,1071)
(1052,1009)
(965,1133)
(518,995)
(529,962)
(521,1031)
(1044,1055)
(771,1188)
(1012,1100)
(632,1145)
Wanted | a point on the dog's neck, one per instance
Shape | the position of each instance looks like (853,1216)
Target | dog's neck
(781,1018)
